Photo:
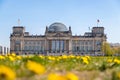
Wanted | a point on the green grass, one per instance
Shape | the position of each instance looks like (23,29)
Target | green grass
(97,68)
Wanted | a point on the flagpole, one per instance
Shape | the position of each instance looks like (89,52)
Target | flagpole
(98,22)
(18,22)
(89,28)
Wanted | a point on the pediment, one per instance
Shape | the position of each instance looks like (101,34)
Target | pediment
(60,35)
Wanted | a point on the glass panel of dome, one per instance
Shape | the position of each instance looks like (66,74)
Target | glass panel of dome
(57,27)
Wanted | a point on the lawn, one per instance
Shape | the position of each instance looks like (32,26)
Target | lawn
(39,67)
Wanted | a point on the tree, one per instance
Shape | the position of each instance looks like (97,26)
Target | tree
(118,50)
(106,49)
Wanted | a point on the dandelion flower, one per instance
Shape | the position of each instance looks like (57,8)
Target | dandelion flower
(6,73)
(71,56)
(54,76)
(64,56)
(51,58)
(78,57)
(41,56)
(19,57)
(109,60)
(2,57)
(85,60)
(35,67)
(71,76)
(88,57)
(117,61)
(13,54)
(118,75)
(12,58)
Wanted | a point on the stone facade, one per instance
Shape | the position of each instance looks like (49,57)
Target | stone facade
(57,40)
(4,50)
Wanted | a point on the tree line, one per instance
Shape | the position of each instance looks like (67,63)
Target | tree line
(107,49)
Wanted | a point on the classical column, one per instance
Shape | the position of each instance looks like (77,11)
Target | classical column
(12,46)
(70,46)
(55,46)
(22,46)
(65,46)
(0,49)
(50,46)
(7,50)
(4,50)
(60,46)
(94,45)
(46,46)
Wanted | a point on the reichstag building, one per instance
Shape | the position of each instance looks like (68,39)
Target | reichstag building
(57,40)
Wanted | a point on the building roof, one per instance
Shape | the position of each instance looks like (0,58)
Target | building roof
(18,27)
(57,27)
(98,27)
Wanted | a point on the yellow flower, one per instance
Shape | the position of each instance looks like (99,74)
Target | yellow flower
(19,57)
(6,73)
(118,75)
(78,57)
(88,57)
(13,54)
(59,57)
(68,76)
(54,76)
(35,67)
(8,54)
(71,56)
(2,57)
(85,60)
(64,56)
(42,57)
(71,76)
(51,58)
(109,60)
(12,58)
(117,61)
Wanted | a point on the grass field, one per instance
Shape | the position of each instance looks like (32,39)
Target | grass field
(39,67)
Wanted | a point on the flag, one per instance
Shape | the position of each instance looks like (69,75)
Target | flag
(18,21)
(98,20)
(89,28)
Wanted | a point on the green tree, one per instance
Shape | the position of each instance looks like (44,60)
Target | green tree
(106,49)
(118,50)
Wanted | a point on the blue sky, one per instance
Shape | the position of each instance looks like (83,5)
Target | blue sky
(35,15)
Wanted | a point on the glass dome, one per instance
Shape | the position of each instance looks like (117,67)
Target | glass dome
(57,27)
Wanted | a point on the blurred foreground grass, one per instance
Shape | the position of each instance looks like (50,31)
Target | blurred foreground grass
(39,67)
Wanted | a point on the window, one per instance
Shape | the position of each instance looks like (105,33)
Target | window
(86,42)
(98,42)
(82,48)
(17,42)
(53,45)
(25,42)
(62,45)
(25,47)
(57,45)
